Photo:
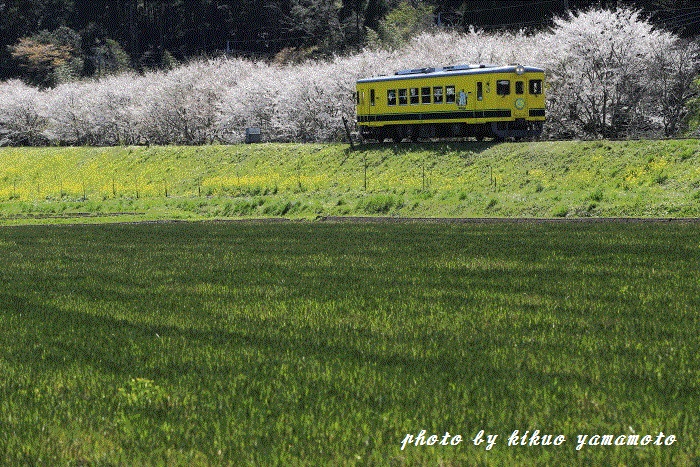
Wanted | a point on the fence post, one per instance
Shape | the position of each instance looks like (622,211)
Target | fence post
(364,164)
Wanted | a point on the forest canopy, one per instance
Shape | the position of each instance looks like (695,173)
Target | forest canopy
(46,42)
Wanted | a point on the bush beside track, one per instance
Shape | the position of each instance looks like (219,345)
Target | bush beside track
(573,179)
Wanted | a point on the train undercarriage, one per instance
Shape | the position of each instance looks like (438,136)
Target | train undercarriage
(516,129)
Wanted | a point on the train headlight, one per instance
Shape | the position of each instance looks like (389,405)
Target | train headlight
(519,69)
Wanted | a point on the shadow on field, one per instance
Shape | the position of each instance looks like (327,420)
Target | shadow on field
(493,350)
(48,338)
(513,335)
(438,147)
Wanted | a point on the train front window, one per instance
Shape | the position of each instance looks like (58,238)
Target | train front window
(437,95)
(414,95)
(450,95)
(425,95)
(535,86)
(391,97)
(403,99)
(503,87)
(519,87)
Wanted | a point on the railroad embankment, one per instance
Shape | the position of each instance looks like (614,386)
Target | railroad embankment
(465,179)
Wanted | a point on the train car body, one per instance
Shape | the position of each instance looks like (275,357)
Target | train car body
(454,101)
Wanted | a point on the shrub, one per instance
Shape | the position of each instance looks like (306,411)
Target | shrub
(560,211)
(597,195)
(379,204)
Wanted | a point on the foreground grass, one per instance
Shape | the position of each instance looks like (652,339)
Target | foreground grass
(543,179)
(325,344)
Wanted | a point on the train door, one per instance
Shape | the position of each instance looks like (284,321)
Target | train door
(361,103)
(368,103)
(479,101)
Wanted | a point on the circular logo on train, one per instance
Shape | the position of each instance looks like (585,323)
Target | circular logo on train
(520,103)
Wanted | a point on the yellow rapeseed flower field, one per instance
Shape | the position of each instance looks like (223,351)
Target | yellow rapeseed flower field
(429,179)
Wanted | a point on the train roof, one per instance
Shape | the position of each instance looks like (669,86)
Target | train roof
(452,70)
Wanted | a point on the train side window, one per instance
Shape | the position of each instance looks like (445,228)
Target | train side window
(371,97)
(403,99)
(449,95)
(437,94)
(519,87)
(503,87)
(414,95)
(535,86)
(425,95)
(391,97)
(479,91)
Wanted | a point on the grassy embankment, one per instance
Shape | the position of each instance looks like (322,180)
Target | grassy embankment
(325,344)
(543,179)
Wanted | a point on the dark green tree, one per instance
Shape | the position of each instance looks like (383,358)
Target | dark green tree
(49,58)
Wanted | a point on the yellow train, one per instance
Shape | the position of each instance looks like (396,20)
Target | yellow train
(453,101)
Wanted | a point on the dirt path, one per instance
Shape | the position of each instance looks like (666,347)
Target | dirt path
(512,220)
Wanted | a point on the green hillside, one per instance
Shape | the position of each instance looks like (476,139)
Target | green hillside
(538,179)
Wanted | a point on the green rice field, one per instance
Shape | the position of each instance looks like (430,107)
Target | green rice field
(312,343)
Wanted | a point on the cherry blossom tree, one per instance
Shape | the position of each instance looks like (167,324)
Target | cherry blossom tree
(601,72)
(674,68)
(20,120)
(68,109)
